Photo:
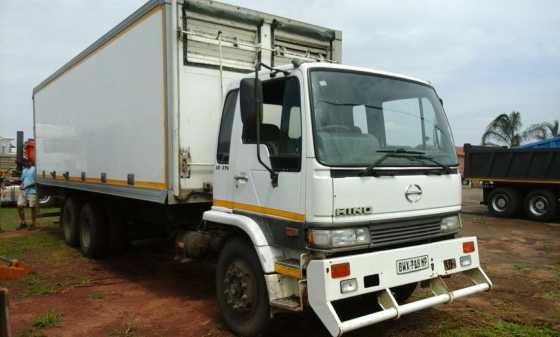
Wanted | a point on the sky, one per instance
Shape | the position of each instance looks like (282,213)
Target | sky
(483,57)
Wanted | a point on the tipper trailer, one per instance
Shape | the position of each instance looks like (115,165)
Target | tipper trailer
(517,181)
(239,132)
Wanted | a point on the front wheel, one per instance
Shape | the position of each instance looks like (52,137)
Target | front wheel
(241,289)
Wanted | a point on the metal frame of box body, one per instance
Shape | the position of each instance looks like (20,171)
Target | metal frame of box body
(151,193)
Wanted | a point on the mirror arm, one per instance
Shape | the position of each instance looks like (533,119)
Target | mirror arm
(258,109)
(275,70)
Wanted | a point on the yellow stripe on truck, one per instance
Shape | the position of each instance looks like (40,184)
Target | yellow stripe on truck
(260,210)
(116,182)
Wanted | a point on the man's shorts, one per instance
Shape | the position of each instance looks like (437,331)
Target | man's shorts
(27,199)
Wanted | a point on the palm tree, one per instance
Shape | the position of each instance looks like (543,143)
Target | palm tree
(504,130)
(542,131)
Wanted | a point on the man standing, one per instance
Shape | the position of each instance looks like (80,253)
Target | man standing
(28,195)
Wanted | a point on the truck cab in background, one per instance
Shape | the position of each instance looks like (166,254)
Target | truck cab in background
(343,182)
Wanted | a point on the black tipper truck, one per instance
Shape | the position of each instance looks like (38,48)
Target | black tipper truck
(517,181)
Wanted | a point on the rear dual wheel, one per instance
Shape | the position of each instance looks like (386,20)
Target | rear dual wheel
(98,230)
(70,221)
(504,202)
(541,205)
(93,231)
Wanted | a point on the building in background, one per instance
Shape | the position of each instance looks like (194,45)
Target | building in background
(6,146)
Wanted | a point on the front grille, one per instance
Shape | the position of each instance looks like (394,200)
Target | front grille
(386,234)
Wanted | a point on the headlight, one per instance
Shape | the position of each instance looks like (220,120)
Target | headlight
(348,286)
(336,238)
(451,224)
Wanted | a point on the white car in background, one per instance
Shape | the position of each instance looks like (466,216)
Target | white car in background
(9,194)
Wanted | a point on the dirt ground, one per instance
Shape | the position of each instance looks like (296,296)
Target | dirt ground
(145,293)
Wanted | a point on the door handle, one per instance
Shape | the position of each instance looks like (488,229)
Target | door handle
(241,178)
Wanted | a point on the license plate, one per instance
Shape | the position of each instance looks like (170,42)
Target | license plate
(410,265)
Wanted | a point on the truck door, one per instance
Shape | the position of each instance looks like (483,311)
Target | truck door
(281,149)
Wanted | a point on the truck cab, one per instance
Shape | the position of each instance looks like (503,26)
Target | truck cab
(345,182)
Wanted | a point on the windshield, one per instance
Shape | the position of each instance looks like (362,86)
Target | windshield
(359,117)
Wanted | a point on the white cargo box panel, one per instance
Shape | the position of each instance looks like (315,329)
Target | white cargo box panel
(137,113)
(101,120)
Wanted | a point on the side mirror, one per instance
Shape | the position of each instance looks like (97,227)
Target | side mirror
(250,100)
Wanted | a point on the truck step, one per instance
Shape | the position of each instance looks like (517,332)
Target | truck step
(287,303)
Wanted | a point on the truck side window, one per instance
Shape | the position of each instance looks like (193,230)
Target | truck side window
(281,123)
(224,139)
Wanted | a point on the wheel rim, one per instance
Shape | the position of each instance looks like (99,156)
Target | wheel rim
(500,203)
(239,287)
(84,233)
(538,205)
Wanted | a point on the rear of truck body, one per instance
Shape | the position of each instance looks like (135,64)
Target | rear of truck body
(340,194)
(517,181)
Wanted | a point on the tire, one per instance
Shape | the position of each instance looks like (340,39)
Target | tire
(541,205)
(70,221)
(93,231)
(117,231)
(504,202)
(403,293)
(238,264)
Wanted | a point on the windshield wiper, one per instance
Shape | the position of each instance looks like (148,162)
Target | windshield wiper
(445,168)
(402,153)
(401,150)
(388,154)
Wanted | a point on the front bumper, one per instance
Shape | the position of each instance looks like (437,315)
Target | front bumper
(323,289)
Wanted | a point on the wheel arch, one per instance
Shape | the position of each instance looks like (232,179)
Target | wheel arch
(252,230)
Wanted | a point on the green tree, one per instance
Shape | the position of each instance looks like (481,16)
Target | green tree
(504,130)
(543,130)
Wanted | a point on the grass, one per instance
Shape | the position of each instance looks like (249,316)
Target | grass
(500,329)
(521,266)
(38,243)
(50,319)
(9,219)
(553,295)
(36,286)
(97,296)
(31,333)
(127,330)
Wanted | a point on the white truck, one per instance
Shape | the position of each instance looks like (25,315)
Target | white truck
(240,133)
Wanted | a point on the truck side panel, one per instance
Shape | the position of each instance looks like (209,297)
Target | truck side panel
(102,124)
(200,92)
